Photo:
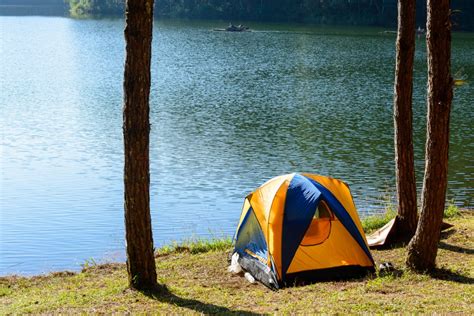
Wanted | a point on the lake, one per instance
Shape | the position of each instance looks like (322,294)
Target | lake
(228,112)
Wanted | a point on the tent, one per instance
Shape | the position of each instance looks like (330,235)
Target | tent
(299,228)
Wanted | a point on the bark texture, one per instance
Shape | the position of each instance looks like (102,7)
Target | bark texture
(423,248)
(403,120)
(136,133)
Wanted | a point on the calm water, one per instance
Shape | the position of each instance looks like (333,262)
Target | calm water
(228,112)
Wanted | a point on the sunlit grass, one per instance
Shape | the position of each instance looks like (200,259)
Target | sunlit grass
(374,222)
(196,245)
(200,284)
(452,210)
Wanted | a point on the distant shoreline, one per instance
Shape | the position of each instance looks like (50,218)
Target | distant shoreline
(25,9)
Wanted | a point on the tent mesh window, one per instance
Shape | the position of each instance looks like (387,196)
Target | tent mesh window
(320,226)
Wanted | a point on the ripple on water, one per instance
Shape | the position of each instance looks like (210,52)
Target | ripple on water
(225,118)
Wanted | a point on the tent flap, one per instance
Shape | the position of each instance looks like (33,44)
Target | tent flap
(344,217)
(302,198)
(250,239)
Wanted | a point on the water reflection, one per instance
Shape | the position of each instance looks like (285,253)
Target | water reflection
(228,112)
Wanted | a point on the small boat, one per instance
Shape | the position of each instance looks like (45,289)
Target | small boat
(459,82)
(390,32)
(233,28)
(419,32)
(459,78)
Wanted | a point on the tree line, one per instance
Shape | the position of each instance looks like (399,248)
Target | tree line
(344,12)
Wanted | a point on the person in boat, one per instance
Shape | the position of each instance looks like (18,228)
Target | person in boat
(231,27)
(420,31)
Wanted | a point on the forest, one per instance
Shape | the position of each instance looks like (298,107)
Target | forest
(342,12)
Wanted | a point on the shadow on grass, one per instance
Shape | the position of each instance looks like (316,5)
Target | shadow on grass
(164,295)
(344,274)
(395,273)
(454,248)
(391,245)
(447,233)
(448,275)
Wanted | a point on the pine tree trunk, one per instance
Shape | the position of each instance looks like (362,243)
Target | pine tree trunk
(404,157)
(136,133)
(423,248)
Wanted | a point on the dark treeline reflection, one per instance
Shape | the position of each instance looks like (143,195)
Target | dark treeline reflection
(347,12)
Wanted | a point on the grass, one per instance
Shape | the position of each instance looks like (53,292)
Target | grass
(195,246)
(452,211)
(197,282)
(374,222)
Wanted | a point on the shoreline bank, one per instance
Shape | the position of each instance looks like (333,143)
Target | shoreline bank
(199,283)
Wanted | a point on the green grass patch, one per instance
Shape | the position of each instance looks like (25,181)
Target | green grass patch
(374,222)
(452,211)
(195,246)
(4,290)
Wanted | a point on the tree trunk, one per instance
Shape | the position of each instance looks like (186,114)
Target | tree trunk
(136,134)
(404,157)
(423,248)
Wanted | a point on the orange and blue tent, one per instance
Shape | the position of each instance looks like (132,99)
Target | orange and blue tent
(301,227)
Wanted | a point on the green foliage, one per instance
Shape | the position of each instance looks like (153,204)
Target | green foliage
(79,8)
(89,263)
(354,12)
(452,211)
(87,8)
